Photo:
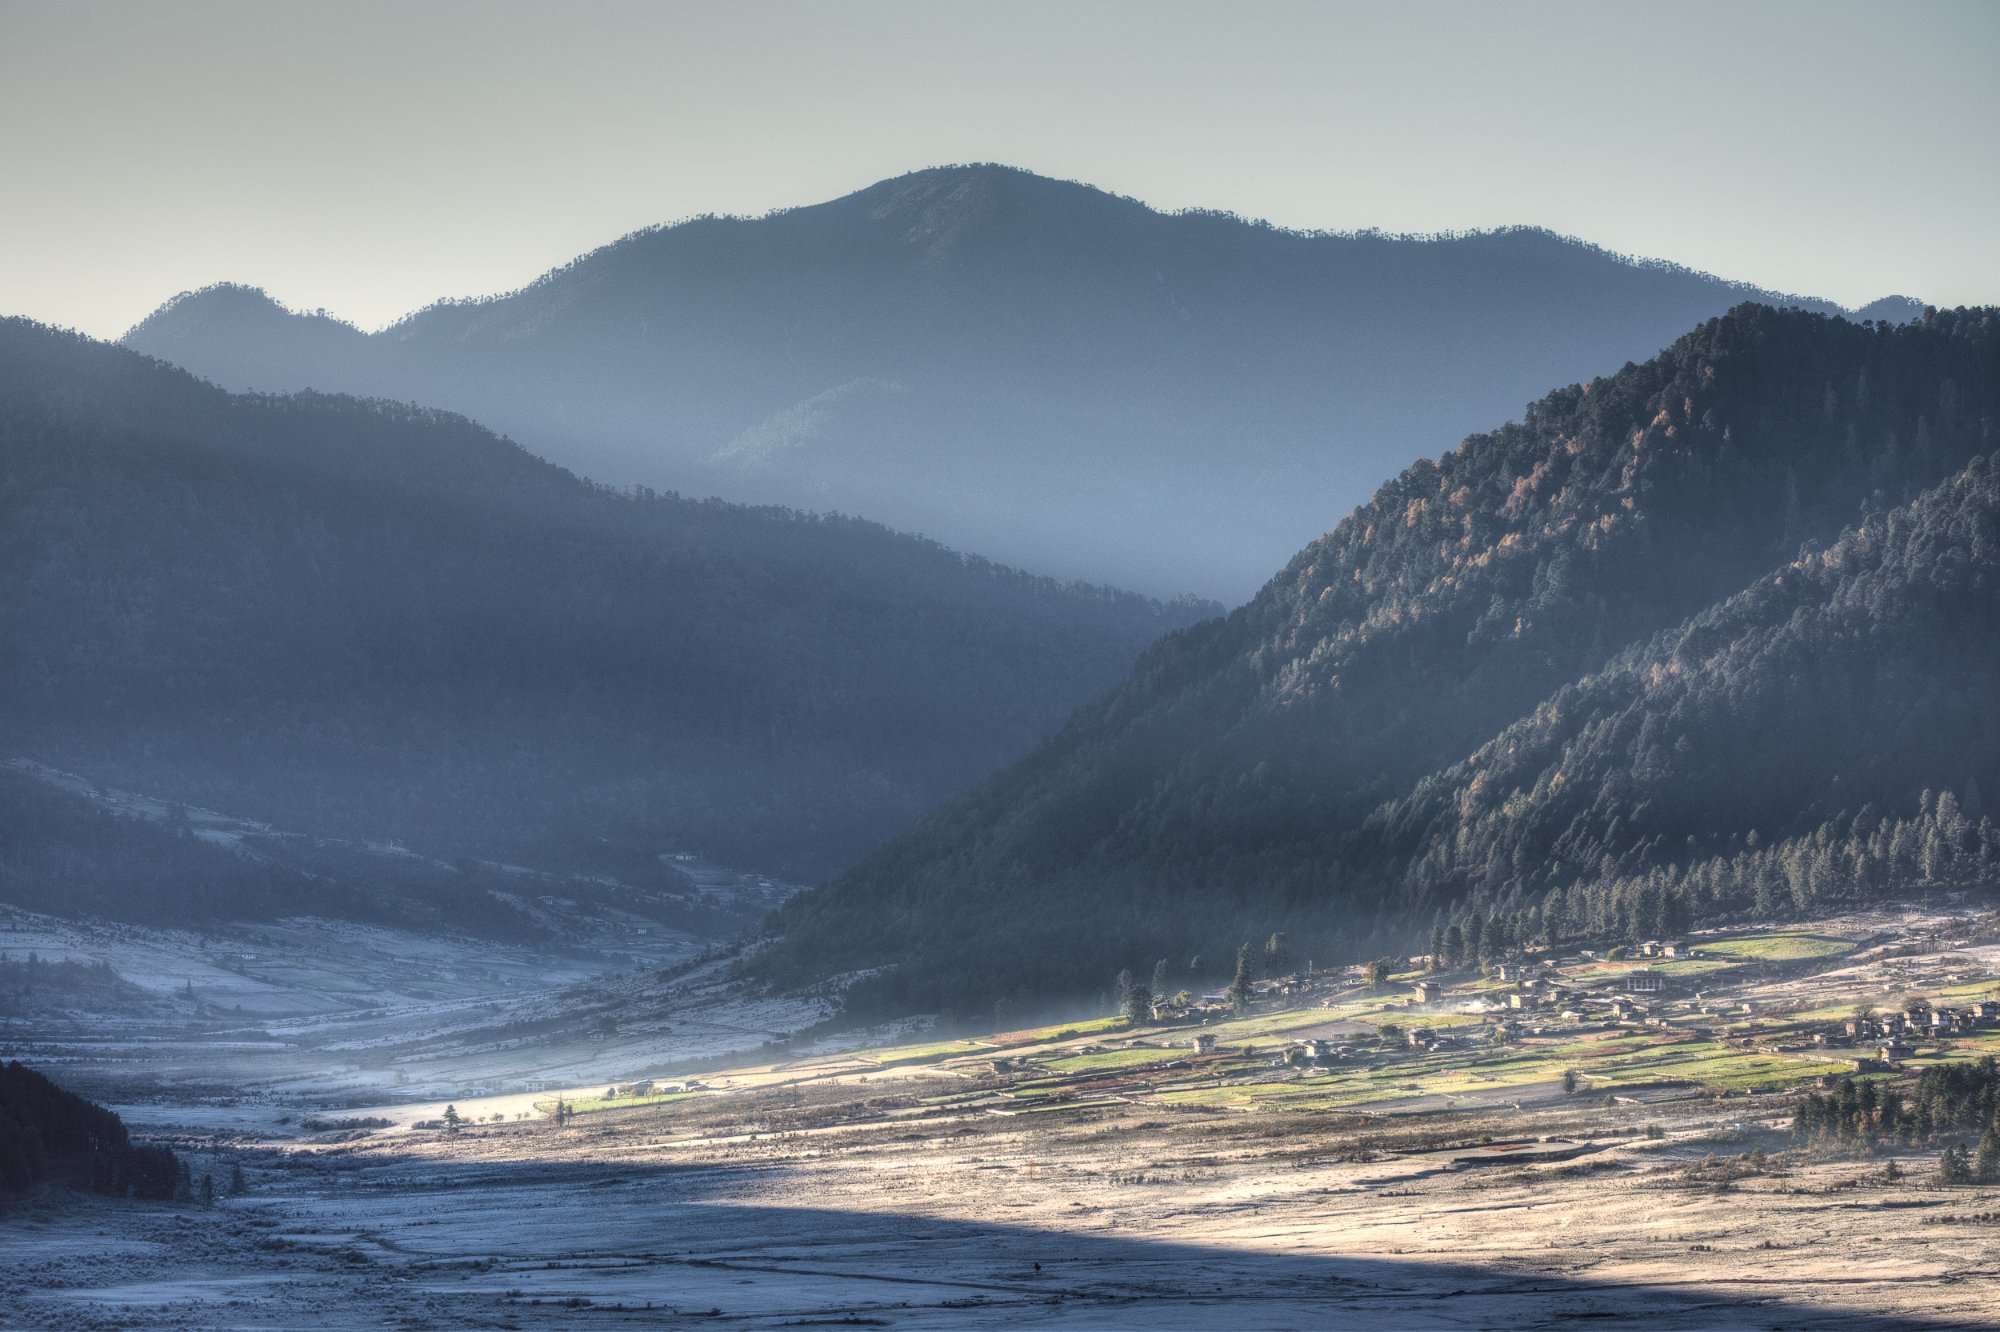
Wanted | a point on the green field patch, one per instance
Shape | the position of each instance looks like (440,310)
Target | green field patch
(1711,1065)
(1103,1059)
(1248,1029)
(1976,1046)
(1777,946)
(1353,1085)
(923,1054)
(1696,966)
(1062,1032)
(1962,1049)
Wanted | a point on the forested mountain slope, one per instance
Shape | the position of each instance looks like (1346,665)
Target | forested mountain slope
(1273,769)
(60,855)
(74,848)
(361,619)
(1029,368)
(1849,702)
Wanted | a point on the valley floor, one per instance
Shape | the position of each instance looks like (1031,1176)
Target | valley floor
(848,1205)
(1092,1175)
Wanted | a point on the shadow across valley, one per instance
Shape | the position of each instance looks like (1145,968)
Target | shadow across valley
(543,1239)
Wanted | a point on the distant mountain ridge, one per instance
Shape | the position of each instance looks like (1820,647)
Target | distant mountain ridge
(1035,369)
(1585,655)
(362,620)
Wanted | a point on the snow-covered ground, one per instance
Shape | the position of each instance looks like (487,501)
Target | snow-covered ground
(249,1026)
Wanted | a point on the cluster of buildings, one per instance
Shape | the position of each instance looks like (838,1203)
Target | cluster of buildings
(1922,1019)
(1314,1051)
(1893,1034)
(1541,998)
(1317,1052)
(1666,949)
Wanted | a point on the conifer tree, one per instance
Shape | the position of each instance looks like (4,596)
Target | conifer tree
(1240,987)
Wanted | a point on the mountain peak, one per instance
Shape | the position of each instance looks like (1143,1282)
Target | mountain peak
(971,184)
(225,305)
(262,339)
(1055,344)
(939,207)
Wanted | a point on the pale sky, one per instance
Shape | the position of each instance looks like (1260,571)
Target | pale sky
(370,158)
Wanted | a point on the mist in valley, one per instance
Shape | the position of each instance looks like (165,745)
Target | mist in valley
(1136,665)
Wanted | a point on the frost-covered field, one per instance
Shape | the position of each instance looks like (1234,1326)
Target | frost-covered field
(849,1202)
(246,1026)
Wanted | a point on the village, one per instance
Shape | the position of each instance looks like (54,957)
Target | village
(1727,1012)
(1581,992)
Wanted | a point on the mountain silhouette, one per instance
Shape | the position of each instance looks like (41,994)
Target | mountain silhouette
(357,619)
(1035,369)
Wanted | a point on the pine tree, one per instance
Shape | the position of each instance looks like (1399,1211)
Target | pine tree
(1987,1163)
(1138,1004)
(1277,955)
(1239,988)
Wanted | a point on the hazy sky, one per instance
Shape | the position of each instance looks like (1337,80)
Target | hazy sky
(372,157)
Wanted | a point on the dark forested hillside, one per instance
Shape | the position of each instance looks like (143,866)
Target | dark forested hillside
(67,849)
(359,619)
(1025,367)
(1302,764)
(59,854)
(47,1133)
